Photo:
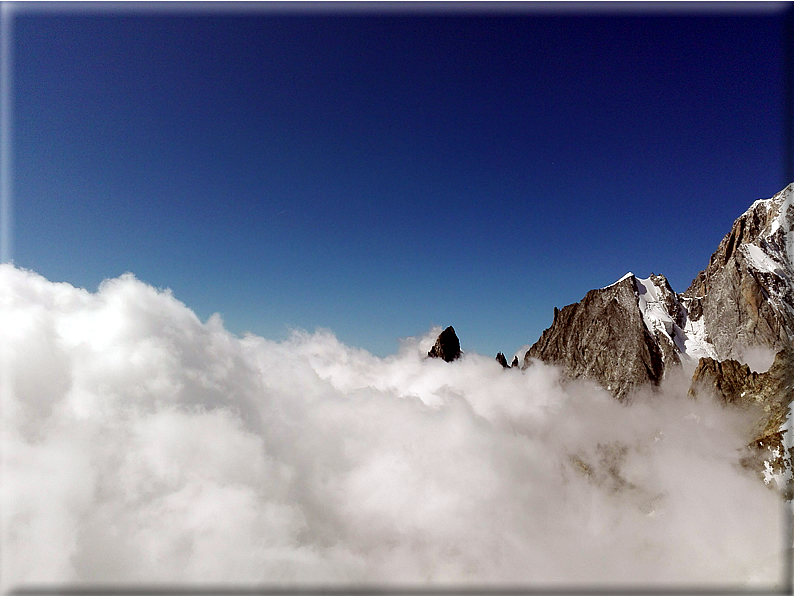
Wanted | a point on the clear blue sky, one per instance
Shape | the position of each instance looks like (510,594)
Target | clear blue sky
(378,173)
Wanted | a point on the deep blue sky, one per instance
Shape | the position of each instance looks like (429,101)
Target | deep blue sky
(379,173)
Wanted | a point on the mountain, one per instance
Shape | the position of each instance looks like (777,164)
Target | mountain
(604,337)
(632,332)
(637,330)
(745,297)
(771,394)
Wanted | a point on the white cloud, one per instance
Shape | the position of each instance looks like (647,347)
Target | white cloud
(140,444)
(758,358)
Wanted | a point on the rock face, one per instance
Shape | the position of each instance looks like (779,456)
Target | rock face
(447,346)
(500,358)
(603,338)
(745,296)
(631,332)
(729,380)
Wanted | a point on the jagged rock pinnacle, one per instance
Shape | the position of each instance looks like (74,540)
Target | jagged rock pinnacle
(447,346)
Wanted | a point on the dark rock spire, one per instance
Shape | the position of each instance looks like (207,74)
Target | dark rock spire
(447,346)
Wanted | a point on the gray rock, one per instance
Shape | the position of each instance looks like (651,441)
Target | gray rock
(603,338)
(744,303)
(743,299)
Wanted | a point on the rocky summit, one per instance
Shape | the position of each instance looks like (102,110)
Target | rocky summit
(447,346)
(603,338)
(634,331)
(745,296)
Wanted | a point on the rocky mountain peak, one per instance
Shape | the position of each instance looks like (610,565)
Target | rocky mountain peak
(447,346)
(632,331)
(605,338)
(745,296)
(765,225)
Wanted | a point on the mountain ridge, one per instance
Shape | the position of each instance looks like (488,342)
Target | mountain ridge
(635,331)
(743,299)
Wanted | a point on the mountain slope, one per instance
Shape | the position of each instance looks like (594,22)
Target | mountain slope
(771,393)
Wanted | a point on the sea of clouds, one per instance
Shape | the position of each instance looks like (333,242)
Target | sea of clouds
(140,444)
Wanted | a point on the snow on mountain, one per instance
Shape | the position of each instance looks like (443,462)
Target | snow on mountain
(783,472)
(744,298)
(663,312)
(629,274)
(771,254)
(737,312)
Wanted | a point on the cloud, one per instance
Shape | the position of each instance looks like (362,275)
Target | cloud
(758,358)
(140,444)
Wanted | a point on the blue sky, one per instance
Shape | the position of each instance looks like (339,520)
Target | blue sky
(377,173)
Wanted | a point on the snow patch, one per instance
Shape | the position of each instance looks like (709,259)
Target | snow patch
(696,344)
(654,312)
(761,260)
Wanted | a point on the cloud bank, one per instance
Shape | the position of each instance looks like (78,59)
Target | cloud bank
(140,444)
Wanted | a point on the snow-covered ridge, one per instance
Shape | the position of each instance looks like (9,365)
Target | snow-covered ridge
(779,212)
(784,201)
(655,300)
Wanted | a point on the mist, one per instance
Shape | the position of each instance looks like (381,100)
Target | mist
(140,444)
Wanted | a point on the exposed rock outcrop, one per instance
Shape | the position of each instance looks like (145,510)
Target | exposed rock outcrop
(447,346)
(500,358)
(634,331)
(729,380)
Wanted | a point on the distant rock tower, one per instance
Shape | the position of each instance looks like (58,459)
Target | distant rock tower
(447,346)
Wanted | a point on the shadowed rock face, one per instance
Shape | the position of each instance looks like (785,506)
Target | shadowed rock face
(501,359)
(603,338)
(447,346)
